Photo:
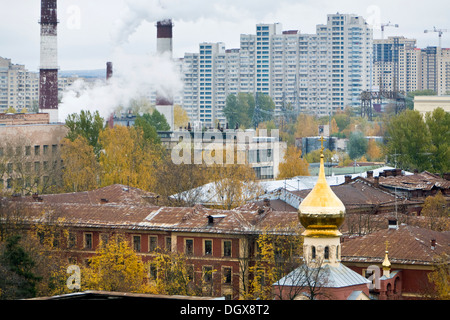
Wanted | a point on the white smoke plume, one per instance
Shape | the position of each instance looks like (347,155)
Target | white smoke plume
(138,11)
(134,76)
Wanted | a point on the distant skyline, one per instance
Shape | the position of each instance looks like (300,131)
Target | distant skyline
(90,33)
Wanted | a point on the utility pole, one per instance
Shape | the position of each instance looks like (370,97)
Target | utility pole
(439,31)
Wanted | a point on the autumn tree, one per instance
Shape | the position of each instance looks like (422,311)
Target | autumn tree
(306,126)
(171,274)
(440,277)
(374,151)
(293,164)
(115,267)
(128,158)
(180,116)
(178,184)
(233,184)
(437,212)
(279,251)
(81,169)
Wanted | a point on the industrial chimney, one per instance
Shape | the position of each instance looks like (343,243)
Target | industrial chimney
(164,37)
(164,102)
(109,70)
(48,70)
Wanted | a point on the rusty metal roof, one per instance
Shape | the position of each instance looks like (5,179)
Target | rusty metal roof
(419,181)
(116,193)
(406,245)
(150,217)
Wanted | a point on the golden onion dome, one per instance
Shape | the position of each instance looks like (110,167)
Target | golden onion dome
(321,213)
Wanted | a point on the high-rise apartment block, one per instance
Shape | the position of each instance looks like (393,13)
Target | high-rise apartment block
(19,88)
(317,73)
(399,65)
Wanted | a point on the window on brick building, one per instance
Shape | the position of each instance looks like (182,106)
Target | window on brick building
(208,247)
(137,243)
(152,243)
(207,274)
(169,243)
(227,248)
(226,272)
(189,246)
(88,240)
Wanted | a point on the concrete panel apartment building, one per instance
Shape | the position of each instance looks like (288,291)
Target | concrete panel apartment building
(399,65)
(19,87)
(315,73)
(319,73)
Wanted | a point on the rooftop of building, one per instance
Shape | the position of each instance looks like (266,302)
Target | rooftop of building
(406,245)
(423,180)
(119,206)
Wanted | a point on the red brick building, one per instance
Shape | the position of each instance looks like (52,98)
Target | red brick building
(218,240)
(215,240)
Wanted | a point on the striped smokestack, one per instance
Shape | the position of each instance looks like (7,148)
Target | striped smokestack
(164,102)
(164,36)
(48,70)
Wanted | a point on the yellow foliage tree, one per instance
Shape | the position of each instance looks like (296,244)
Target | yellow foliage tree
(81,169)
(440,277)
(234,184)
(128,158)
(334,127)
(306,126)
(173,276)
(437,212)
(180,116)
(279,251)
(115,267)
(293,165)
(374,152)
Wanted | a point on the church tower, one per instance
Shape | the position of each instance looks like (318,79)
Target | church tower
(321,213)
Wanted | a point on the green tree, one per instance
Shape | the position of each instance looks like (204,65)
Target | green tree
(264,110)
(149,131)
(409,144)
(157,120)
(238,110)
(18,271)
(357,145)
(88,125)
(438,123)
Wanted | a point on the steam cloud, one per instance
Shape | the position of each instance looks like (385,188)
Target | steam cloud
(134,76)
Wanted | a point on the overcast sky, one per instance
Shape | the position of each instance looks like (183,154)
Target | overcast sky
(91,31)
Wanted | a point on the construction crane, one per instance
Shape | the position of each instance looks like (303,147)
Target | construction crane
(383,25)
(439,31)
